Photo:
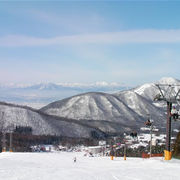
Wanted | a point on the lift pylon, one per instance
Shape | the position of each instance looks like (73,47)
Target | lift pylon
(170,94)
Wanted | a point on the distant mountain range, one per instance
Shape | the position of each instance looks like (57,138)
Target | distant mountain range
(39,95)
(94,112)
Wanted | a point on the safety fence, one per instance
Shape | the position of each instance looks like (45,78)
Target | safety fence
(145,155)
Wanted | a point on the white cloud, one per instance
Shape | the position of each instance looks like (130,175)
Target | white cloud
(68,22)
(123,37)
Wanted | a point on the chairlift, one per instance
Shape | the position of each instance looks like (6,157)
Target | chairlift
(148,123)
(133,134)
(175,113)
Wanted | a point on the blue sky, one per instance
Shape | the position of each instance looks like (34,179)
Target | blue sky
(129,42)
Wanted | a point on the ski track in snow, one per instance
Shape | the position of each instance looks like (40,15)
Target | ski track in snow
(60,166)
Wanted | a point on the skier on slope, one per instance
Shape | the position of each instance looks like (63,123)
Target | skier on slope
(74,159)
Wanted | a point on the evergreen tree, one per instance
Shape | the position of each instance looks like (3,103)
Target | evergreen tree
(176,151)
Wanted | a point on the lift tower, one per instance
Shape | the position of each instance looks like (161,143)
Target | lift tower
(170,94)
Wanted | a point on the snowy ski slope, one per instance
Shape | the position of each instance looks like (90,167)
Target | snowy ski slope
(60,166)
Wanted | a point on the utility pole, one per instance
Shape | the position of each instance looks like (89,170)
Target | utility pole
(10,142)
(170,96)
(125,148)
(10,129)
(151,127)
(149,123)
(125,151)
(3,141)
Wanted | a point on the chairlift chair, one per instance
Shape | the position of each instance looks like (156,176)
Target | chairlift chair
(148,123)
(133,134)
(175,113)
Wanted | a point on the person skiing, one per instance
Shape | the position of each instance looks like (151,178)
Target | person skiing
(74,159)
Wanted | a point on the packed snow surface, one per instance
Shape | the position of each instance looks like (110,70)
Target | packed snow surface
(60,166)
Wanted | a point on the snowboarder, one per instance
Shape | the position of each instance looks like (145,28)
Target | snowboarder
(74,159)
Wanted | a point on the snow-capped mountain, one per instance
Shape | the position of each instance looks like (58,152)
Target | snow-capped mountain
(42,124)
(168,80)
(150,90)
(100,110)
(142,106)
(125,109)
(93,106)
(68,86)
